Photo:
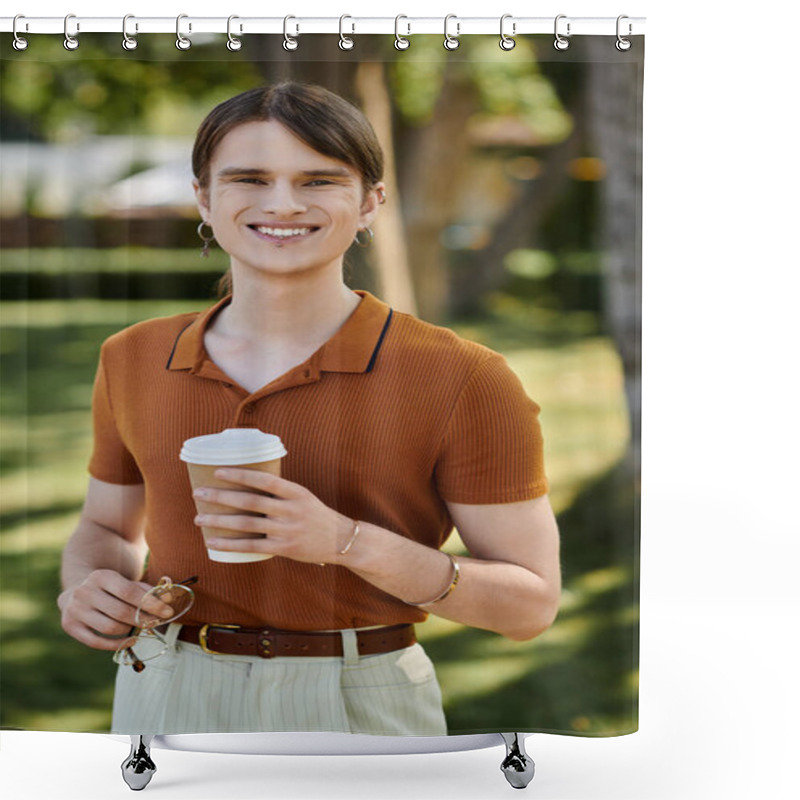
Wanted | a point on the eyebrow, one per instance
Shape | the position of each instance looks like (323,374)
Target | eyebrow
(329,172)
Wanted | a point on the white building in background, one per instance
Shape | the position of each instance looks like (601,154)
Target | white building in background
(99,176)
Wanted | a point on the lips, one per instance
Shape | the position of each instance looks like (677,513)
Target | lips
(283,233)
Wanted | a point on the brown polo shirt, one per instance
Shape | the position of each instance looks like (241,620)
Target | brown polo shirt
(387,421)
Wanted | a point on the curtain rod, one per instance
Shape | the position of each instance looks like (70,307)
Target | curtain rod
(403,26)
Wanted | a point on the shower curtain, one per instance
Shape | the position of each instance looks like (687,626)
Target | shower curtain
(513,218)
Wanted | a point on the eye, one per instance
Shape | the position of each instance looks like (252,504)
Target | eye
(249,180)
(320,182)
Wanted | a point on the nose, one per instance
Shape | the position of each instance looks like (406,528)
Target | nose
(282,199)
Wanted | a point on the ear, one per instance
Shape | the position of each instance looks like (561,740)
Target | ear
(372,200)
(202,198)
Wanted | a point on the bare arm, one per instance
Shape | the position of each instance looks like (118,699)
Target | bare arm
(101,566)
(511,585)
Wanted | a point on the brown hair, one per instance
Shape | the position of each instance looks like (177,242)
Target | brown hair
(323,120)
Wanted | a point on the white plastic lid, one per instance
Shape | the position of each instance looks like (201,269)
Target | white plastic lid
(233,446)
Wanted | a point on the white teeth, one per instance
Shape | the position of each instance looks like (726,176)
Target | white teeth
(282,232)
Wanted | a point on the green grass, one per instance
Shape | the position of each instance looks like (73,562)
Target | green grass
(580,676)
(72,260)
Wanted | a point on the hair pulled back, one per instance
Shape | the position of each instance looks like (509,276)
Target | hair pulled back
(323,120)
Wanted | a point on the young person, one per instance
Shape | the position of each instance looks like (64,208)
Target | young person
(395,429)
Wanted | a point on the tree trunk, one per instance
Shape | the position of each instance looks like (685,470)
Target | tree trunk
(430,184)
(615,113)
(390,255)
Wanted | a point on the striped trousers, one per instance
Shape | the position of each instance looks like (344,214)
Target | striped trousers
(189,691)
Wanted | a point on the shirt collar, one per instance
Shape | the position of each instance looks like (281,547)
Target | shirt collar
(353,348)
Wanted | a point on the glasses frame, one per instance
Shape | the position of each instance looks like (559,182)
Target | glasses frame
(125,654)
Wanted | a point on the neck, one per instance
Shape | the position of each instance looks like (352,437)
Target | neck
(291,311)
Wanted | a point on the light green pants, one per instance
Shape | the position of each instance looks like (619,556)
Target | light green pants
(189,691)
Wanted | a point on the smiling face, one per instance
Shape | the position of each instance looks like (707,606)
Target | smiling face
(277,206)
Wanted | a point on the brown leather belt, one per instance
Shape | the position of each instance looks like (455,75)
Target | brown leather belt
(268,643)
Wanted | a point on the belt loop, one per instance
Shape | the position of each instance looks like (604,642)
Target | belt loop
(350,647)
(171,634)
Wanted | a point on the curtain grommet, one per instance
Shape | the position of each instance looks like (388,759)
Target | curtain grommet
(182,43)
(622,44)
(289,42)
(129,42)
(70,42)
(345,42)
(506,42)
(19,43)
(400,42)
(451,42)
(561,42)
(233,44)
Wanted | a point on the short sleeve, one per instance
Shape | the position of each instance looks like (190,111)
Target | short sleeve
(492,450)
(111,461)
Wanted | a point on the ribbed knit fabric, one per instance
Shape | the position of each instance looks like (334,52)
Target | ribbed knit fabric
(390,419)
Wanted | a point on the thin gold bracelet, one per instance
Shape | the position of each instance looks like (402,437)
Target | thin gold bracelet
(453,581)
(356,531)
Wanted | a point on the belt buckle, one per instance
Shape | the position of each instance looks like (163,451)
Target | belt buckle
(202,637)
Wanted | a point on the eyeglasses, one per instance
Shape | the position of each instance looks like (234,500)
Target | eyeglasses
(149,642)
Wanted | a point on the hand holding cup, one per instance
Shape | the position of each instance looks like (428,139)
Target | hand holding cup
(245,448)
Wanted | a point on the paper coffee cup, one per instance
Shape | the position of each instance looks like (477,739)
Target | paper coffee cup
(248,448)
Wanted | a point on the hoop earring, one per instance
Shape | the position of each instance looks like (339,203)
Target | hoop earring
(365,242)
(205,239)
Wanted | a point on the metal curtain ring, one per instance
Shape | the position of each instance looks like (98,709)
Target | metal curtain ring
(289,42)
(233,44)
(451,42)
(70,42)
(19,43)
(560,42)
(400,42)
(345,42)
(506,42)
(182,43)
(623,44)
(129,42)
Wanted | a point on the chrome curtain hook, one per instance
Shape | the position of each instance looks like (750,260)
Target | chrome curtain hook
(182,43)
(19,43)
(289,42)
(623,44)
(506,42)
(451,42)
(70,42)
(129,42)
(560,42)
(400,42)
(233,44)
(345,42)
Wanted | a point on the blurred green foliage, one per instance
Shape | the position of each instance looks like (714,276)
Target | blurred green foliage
(578,677)
(106,91)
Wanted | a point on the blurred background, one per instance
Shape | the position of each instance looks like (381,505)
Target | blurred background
(513,217)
